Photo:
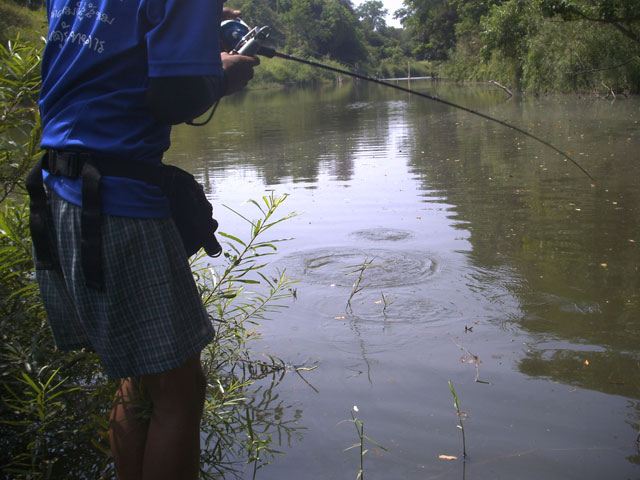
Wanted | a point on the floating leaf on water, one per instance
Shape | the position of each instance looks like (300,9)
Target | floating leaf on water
(447,457)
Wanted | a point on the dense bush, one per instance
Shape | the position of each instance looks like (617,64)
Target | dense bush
(585,58)
(538,46)
(16,19)
(55,405)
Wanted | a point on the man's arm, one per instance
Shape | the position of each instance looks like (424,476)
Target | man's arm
(175,100)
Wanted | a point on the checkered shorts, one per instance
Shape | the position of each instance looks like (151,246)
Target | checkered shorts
(148,319)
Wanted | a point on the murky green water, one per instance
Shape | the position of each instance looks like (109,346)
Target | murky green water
(487,246)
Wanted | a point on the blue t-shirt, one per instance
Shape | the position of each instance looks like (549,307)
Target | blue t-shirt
(95,70)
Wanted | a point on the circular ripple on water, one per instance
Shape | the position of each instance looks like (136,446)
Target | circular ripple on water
(331,266)
(398,307)
(382,234)
(371,328)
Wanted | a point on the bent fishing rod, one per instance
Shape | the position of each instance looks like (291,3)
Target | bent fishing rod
(253,42)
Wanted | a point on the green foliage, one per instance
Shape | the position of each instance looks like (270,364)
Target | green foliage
(53,417)
(341,36)
(53,413)
(360,444)
(17,20)
(31,4)
(278,71)
(460,414)
(438,31)
(506,31)
(40,436)
(322,29)
(390,68)
(502,40)
(508,27)
(55,405)
(19,87)
(239,423)
(358,271)
(372,15)
(595,49)
(587,58)
(623,15)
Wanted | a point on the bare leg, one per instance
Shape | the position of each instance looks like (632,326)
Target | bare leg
(128,430)
(172,448)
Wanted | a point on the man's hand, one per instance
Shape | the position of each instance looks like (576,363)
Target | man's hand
(238,69)
(228,14)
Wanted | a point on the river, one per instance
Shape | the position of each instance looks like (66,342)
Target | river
(496,265)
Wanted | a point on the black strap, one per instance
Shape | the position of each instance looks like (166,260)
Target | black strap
(91,227)
(91,169)
(38,217)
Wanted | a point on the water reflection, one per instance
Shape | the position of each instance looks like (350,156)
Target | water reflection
(477,227)
(573,244)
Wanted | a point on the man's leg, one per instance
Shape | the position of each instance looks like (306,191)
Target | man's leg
(172,449)
(128,426)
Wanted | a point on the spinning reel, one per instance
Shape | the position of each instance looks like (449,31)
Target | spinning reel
(238,38)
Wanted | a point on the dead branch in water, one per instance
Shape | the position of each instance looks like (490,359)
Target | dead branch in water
(493,82)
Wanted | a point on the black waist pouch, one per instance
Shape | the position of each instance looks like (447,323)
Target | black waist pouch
(191,211)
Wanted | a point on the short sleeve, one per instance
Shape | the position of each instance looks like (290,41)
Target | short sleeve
(184,38)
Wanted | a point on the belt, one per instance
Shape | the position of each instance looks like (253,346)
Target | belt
(90,169)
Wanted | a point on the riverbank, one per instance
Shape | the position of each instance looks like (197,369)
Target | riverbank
(581,58)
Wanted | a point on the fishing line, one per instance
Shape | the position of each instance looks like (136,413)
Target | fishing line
(435,99)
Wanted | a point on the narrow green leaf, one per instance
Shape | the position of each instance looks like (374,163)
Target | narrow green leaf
(231,237)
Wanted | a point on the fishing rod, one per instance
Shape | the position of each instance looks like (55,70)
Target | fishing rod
(254,42)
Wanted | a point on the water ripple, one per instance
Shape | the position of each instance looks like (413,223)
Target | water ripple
(332,266)
(382,234)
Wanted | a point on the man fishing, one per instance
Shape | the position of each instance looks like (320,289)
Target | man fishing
(116,74)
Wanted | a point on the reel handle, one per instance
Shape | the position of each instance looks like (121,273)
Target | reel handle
(252,43)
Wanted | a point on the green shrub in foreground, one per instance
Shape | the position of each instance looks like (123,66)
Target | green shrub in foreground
(54,405)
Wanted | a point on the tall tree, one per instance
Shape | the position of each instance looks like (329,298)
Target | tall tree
(507,29)
(623,15)
(433,24)
(299,27)
(342,39)
(372,15)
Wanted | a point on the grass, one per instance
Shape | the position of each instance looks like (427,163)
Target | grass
(15,20)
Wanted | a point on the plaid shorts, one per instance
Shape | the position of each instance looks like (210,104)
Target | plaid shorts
(148,319)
